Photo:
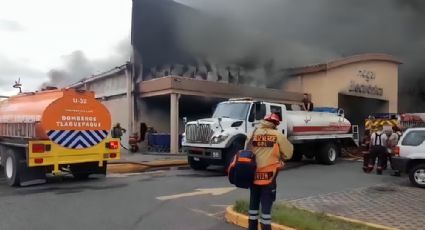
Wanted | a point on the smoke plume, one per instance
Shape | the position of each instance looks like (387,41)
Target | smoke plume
(77,66)
(264,37)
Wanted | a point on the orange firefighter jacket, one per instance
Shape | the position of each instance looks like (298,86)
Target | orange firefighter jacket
(270,148)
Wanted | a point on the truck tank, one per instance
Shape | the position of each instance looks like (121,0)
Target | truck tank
(302,123)
(72,119)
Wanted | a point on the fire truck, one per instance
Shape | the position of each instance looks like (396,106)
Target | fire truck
(215,140)
(54,131)
(403,121)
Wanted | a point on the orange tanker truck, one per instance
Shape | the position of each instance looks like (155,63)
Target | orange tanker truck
(53,131)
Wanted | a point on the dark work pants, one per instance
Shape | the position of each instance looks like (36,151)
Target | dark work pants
(366,156)
(379,152)
(264,195)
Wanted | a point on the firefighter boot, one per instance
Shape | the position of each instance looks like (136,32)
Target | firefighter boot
(253,220)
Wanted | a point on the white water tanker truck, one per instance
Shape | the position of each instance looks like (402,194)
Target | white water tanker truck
(215,140)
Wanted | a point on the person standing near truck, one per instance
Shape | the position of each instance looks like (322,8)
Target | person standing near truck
(270,148)
(378,149)
(395,137)
(391,143)
(118,131)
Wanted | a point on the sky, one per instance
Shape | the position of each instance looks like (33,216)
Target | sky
(37,37)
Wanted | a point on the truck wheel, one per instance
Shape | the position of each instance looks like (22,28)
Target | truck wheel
(417,175)
(328,154)
(11,167)
(197,165)
(297,156)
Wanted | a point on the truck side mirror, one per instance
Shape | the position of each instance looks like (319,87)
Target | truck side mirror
(184,120)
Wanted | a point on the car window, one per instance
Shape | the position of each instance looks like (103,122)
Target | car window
(414,138)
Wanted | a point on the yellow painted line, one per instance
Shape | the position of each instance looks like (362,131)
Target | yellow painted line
(242,220)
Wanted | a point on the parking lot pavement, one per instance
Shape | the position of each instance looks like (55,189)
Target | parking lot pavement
(393,205)
(341,189)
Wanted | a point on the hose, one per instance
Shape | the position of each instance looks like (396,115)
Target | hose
(123,146)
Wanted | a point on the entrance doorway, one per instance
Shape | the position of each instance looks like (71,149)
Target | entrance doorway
(357,109)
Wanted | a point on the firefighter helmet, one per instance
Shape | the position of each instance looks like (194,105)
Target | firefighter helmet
(274,118)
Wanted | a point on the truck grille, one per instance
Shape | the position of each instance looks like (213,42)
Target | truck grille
(201,133)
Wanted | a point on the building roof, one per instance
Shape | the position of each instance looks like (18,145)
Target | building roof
(343,61)
(106,74)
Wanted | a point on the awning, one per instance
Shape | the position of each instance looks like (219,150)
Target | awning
(188,86)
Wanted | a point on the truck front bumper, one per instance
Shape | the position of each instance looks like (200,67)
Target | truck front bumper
(400,163)
(205,153)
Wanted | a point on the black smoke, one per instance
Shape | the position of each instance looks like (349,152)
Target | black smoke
(76,65)
(264,37)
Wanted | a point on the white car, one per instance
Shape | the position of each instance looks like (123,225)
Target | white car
(410,156)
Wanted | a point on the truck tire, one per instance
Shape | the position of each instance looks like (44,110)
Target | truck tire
(417,175)
(297,156)
(11,167)
(197,165)
(328,154)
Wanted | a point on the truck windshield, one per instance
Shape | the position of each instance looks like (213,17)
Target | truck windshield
(232,110)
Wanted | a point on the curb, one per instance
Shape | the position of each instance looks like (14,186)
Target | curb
(135,167)
(242,220)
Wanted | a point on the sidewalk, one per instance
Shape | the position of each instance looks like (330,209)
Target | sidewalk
(386,204)
(139,162)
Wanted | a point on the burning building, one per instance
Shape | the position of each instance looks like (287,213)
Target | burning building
(185,61)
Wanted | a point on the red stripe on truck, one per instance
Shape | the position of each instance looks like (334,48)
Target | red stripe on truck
(302,129)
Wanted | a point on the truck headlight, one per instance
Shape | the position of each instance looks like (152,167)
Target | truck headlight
(218,139)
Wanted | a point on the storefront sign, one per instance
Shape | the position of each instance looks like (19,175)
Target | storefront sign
(366,87)
(367,75)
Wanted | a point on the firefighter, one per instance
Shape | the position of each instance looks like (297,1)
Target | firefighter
(118,131)
(391,143)
(378,149)
(270,148)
